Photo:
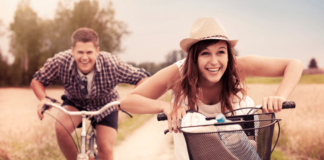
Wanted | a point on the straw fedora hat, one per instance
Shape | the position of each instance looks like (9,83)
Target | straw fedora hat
(206,28)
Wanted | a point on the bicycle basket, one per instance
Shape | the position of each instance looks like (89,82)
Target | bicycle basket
(253,141)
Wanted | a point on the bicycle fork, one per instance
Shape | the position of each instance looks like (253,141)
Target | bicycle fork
(83,155)
(92,143)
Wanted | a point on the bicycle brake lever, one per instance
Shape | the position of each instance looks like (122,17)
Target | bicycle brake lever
(127,113)
(124,111)
(45,107)
(166,131)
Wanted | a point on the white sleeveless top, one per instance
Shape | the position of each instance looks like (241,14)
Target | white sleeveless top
(180,147)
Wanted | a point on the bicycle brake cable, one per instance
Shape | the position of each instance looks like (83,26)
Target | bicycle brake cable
(52,99)
(75,133)
(55,101)
(65,129)
(124,111)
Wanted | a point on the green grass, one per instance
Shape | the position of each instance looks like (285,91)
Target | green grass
(130,125)
(31,147)
(312,79)
(305,79)
(278,155)
(123,85)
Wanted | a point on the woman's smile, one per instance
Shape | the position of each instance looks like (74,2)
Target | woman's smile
(213,70)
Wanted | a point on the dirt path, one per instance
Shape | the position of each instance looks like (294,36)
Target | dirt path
(146,143)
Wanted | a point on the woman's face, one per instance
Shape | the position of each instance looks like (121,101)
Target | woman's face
(212,63)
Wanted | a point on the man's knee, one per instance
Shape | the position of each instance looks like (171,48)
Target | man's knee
(60,130)
(106,148)
(106,151)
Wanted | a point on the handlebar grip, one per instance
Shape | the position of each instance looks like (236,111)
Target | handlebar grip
(288,105)
(162,117)
(45,107)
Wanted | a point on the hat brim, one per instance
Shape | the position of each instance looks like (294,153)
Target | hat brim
(186,43)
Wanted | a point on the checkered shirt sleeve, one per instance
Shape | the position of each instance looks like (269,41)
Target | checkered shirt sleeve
(49,73)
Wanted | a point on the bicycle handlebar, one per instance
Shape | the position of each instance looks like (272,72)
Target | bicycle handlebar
(48,104)
(285,105)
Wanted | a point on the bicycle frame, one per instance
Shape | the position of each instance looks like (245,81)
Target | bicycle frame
(83,155)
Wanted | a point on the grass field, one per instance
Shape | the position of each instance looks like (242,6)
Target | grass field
(305,79)
(302,129)
(24,136)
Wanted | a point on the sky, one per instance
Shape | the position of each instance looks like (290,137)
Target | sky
(271,28)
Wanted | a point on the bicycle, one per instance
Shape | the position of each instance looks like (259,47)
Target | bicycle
(90,153)
(252,141)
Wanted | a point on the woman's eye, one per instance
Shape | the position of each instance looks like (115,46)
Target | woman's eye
(221,52)
(204,53)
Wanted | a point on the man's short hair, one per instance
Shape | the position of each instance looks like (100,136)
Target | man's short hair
(85,35)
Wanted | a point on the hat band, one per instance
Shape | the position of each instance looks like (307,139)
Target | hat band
(215,36)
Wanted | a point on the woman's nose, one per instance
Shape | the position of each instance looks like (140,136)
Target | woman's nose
(214,60)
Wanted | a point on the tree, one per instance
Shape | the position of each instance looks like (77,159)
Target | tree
(3,63)
(25,43)
(85,13)
(4,67)
(33,40)
(174,56)
(235,51)
(312,63)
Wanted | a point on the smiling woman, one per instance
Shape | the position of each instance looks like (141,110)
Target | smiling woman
(210,80)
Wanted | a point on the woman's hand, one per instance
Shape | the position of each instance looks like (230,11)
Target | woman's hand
(272,104)
(174,117)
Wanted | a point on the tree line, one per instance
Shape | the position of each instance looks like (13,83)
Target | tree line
(33,39)
(170,58)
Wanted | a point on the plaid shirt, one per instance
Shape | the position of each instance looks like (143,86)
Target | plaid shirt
(109,71)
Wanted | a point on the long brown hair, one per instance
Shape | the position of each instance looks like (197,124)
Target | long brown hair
(187,85)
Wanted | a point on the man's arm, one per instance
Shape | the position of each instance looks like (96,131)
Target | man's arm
(141,81)
(126,73)
(38,89)
(40,93)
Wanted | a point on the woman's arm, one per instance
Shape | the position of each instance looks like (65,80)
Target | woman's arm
(143,99)
(289,69)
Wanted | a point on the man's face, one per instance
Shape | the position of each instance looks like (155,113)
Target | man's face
(85,54)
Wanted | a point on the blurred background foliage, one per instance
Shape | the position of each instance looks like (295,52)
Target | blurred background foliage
(33,40)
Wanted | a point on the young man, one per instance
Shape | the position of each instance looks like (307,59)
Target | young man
(89,78)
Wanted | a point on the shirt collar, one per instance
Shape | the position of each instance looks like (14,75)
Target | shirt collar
(99,62)
(88,75)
